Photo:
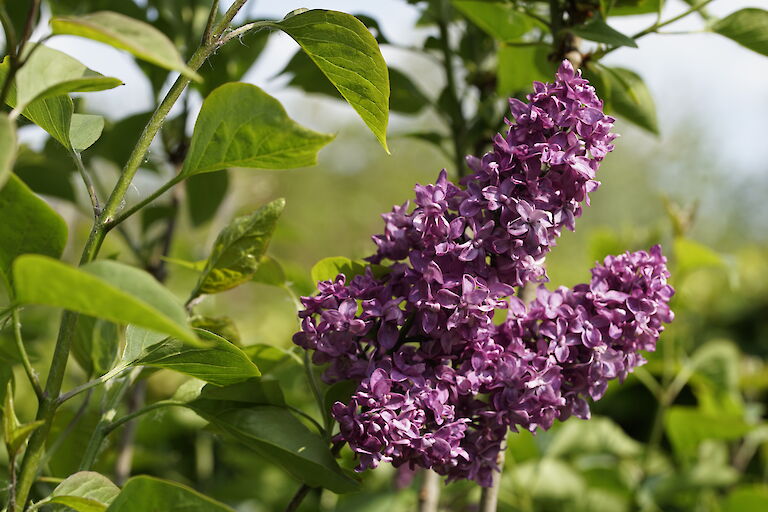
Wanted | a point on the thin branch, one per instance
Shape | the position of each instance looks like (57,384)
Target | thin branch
(88,182)
(14,52)
(124,460)
(144,410)
(144,202)
(207,39)
(28,369)
(293,505)
(228,17)
(115,372)
(429,494)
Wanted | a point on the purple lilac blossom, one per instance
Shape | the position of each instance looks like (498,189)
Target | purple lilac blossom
(440,383)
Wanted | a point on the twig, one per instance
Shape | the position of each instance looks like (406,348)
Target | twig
(211,20)
(15,51)
(88,182)
(298,498)
(429,494)
(28,369)
(114,372)
(144,202)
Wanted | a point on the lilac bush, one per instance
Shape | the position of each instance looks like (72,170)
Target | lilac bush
(441,383)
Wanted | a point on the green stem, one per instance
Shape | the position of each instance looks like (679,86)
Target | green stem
(111,427)
(429,494)
(30,371)
(208,32)
(144,202)
(88,182)
(91,384)
(656,26)
(101,431)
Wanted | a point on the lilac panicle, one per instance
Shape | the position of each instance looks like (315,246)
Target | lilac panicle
(440,383)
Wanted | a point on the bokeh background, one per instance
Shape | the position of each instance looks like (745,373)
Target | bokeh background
(699,188)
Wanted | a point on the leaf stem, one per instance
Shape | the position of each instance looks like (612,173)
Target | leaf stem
(228,17)
(87,181)
(28,369)
(15,50)
(91,384)
(144,202)
(111,427)
(207,39)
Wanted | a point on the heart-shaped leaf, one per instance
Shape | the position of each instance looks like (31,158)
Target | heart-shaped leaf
(125,33)
(240,125)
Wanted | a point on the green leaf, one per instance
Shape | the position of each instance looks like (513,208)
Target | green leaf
(276,435)
(338,392)
(95,345)
(691,255)
(152,494)
(405,96)
(47,172)
(687,427)
(242,126)
(596,436)
(599,31)
(348,55)
(625,94)
(328,268)
(85,491)
(8,145)
(15,433)
(125,33)
(104,289)
(747,498)
(205,193)
(220,325)
(634,7)
(498,19)
(267,357)
(28,225)
(84,130)
(49,73)
(118,139)
(254,391)
(270,272)
(219,363)
(54,115)
(520,66)
(238,250)
(748,27)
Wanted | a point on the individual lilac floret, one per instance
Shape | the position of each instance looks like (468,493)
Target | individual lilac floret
(440,383)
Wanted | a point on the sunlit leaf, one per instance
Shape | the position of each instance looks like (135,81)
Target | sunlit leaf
(125,33)
(95,345)
(104,289)
(346,52)
(49,73)
(240,125)
(85,491)
(687,427)
(625,94)
(520,66)
(238,250)
(84,130)
(328,268)
(599,31)
(220,362)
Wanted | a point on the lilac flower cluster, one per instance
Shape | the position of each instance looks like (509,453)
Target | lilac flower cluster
(440,383)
